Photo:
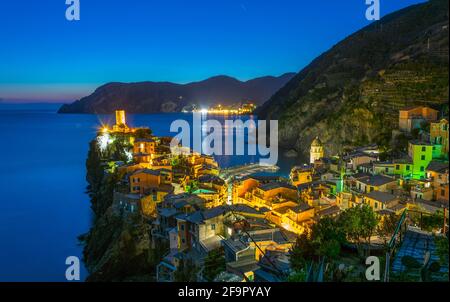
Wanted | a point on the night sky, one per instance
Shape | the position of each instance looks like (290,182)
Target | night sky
(44,57)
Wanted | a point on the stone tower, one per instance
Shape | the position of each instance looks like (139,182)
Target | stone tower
(316,151)
(120,117)
(121,123)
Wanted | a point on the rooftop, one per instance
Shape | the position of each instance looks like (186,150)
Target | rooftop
(381,196)
(275,185)
(376,180)
(439,167)
(420,143)
(147,171)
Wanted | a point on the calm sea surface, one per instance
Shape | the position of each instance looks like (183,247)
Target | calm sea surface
(43,205)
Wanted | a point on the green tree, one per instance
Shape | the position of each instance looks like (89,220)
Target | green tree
(323,240)
(186,271)
(432,222)
(387,227)
(143,133)
(214,264)
(327,238)
(302,252)
(442,249)
(359,224)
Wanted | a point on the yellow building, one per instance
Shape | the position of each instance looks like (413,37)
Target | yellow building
(316,151)
(380,200)
(439,135)
(241,192)
(292,217)
(273,194)
(372,183)
(301,175)
(344,199)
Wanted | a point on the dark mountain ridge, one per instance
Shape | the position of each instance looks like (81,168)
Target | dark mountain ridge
(153,97)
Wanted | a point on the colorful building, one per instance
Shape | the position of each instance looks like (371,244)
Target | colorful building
(439,136)
(412,118)
(438,175)
(144,149)
(421,154)
(292,217)
(273,194)
(378,200)
(241,191)
(373,183)
(301,175)
(146,180)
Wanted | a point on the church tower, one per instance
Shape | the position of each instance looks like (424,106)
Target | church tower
(316,151)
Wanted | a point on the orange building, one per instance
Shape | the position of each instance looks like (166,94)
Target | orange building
(273,193)
(411,118)
(144,150)
(142,181)
(242,188)
(438,175)
(293,217)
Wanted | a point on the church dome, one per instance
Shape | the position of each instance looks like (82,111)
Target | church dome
(316,142)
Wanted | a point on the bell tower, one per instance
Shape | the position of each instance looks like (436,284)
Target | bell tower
(316,151)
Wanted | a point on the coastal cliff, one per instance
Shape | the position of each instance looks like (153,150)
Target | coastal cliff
(117,247)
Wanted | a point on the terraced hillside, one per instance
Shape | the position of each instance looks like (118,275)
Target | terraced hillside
(351,94)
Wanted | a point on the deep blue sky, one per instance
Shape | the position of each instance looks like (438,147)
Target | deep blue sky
(45,57)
